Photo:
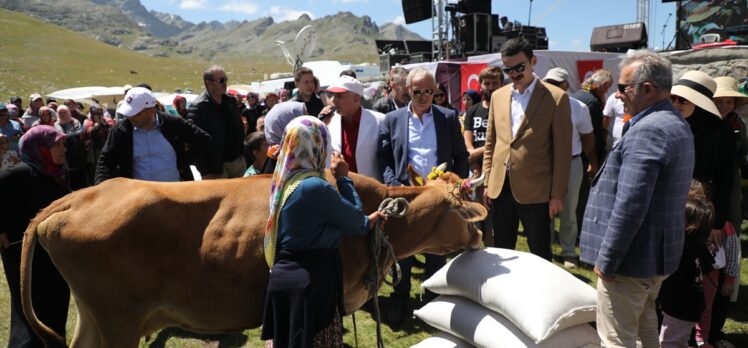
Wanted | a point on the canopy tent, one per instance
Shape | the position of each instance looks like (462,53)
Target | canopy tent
(104,95)
(458,76)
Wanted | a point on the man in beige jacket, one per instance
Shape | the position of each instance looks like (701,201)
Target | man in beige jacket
(528,152)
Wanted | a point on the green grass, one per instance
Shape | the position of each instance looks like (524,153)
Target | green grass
(412,332)
(38,57)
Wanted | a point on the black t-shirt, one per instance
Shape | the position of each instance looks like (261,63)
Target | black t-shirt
(476,120)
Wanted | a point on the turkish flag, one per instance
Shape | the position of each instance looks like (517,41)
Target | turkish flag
(469,77)
(585,68)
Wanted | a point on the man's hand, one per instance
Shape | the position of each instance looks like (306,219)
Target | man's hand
(486,199)
(592,169)
(326,113)
(602,275)
(4,242)
(338,165)
(555,206)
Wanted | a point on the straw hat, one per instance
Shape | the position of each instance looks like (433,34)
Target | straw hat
(698,88)
(728,87)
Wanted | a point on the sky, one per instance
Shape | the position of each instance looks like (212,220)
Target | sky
(568,23)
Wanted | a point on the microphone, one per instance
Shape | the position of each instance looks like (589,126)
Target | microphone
(322,116)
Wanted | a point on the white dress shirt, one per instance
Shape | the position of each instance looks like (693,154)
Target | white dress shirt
(581,123)
(421,142)
(519,105)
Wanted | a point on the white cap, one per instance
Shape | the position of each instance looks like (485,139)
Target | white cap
(557,74)
(346,83)
(137,99)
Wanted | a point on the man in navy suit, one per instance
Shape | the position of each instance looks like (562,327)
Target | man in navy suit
(633,227)
(424,136)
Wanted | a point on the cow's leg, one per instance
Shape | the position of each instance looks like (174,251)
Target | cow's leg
(86,332)
(122,329)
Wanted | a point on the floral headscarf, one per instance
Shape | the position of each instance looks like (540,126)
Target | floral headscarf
(35,151)
(303,154)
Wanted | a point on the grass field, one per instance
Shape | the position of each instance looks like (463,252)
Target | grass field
(39,57)
(412,332)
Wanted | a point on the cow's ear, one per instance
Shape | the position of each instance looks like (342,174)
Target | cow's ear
(414,178)
(472,212)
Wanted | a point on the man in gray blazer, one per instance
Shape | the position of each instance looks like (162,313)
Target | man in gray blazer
(633,227)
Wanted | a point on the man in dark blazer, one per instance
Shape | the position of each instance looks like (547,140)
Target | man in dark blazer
(527,154)
(424,136)
(634,224)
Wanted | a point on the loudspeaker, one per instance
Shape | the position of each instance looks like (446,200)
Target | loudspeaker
(475,33)
(618,38)
(417,10)
(475,6)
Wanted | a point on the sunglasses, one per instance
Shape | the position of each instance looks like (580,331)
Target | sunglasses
(222,80)
(518,68)
(676,99)
(623,86)
(418,92)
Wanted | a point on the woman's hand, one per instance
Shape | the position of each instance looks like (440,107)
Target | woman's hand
(338,166)
(375,217)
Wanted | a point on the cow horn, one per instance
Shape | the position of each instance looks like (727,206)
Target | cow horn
(477,182)
(442,167)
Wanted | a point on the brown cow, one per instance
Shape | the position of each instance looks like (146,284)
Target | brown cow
(140,256)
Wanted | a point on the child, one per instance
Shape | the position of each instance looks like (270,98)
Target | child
(682,293)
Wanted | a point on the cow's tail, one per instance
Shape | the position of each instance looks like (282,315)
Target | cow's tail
(49,336)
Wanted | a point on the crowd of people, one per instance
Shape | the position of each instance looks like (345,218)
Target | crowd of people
(647,181)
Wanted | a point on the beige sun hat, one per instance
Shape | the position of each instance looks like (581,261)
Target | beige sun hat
(698,88)
(728,87)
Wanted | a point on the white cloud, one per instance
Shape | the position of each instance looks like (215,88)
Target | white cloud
(399,20)
(282,14)
(192,4)
(242,6)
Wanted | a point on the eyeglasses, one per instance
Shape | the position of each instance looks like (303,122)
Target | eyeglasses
(676,99)
(222,80)
(622,86)
(418,92)
(518,68)
(439,95)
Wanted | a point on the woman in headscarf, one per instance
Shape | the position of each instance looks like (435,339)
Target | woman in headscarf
(307,219)
(469,98)
(714,147)
(33,184)
(75,154)
(45,117)
(275,124)
(180,105)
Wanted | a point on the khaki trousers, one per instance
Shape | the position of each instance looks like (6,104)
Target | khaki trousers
(626,310)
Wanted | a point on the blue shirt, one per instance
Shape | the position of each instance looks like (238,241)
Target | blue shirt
(153,157)
(422,142)
(315,216)
(11,129)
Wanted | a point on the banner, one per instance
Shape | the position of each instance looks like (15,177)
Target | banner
(469,77)
(585,68)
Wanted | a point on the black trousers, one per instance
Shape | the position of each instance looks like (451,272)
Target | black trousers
(50,296)
(401,292)
(507,213)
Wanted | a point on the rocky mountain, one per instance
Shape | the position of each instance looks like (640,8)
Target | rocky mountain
(127,23)
(392,31)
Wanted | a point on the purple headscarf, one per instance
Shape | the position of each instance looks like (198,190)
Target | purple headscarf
(35,151)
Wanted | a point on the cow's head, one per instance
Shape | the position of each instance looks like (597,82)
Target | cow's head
(441,219)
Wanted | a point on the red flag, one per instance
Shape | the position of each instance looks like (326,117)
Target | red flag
(469,77)
(587,67)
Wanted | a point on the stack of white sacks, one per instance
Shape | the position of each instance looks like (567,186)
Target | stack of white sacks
(505,298)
